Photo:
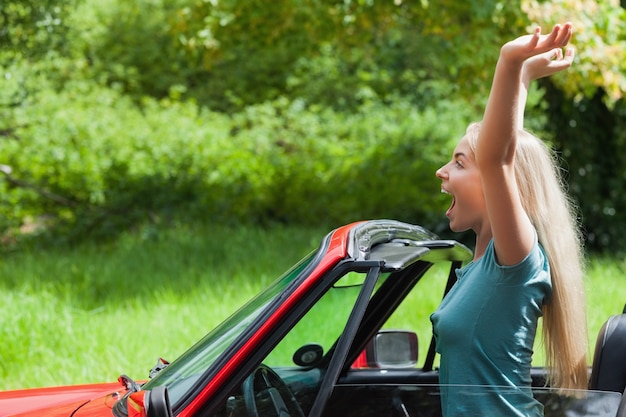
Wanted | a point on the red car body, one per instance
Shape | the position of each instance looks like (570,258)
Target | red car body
(60,401)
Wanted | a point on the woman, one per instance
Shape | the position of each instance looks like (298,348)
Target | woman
(505,186)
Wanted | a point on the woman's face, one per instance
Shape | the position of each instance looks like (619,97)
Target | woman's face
(460,178)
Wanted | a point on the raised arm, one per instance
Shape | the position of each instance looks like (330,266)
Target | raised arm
(521,60)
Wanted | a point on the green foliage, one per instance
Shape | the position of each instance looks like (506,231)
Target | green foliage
(114,113)
(230,54)
(222,54)
(130,47)
(33,28)
(98,163)
(600,39)
(377,162)
(106,160)
(592,141)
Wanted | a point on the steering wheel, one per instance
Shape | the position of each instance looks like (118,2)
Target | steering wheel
(265,387)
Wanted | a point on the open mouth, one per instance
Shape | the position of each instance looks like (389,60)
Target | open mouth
(451,204)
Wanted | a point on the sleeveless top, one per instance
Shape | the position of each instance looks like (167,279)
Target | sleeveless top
(485,329)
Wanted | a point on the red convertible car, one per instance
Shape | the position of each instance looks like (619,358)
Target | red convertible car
(325,340)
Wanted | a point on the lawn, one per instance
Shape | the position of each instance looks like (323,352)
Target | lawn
(93,312)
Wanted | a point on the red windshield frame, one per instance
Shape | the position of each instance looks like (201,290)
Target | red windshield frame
(337,250)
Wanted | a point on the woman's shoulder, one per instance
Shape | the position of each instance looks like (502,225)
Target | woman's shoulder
(534,263)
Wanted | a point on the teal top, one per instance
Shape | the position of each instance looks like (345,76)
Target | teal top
(485,329)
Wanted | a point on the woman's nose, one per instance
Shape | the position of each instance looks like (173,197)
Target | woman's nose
(441,173)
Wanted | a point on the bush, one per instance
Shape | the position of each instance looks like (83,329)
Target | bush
(91,156)
(96,163)
(377,162)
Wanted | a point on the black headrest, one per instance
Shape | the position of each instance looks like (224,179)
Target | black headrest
(608,372)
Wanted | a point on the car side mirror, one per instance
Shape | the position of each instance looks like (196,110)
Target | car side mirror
(389,349)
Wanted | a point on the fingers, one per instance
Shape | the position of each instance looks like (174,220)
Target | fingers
(559,37)
(548,63)
(557,54)
(534,44)
(557,59)
(534,39)
(552,36)
(564,34)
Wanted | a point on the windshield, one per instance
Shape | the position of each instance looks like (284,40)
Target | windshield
(310,345)
(183,373)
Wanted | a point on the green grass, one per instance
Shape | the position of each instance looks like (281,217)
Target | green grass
(90,313)
(605,287)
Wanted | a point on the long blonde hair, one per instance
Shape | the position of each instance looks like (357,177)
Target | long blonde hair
(551,211)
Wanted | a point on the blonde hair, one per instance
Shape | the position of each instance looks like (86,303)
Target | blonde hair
(543,196)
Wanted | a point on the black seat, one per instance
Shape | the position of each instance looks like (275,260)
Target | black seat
(608,372)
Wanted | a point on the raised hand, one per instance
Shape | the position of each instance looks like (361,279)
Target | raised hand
(547,63)
(524,47)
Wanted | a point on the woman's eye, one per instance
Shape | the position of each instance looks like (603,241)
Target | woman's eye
(458,164)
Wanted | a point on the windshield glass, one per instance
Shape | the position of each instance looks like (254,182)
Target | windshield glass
(297,365)
(183,373)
